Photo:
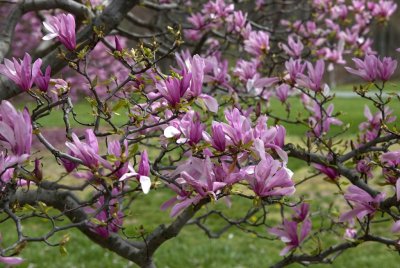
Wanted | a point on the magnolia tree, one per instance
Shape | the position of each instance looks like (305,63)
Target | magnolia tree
(180,103)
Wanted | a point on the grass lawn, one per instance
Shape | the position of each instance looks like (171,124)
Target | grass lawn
(192,248)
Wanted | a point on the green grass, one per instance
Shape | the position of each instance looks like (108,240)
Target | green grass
(192,248)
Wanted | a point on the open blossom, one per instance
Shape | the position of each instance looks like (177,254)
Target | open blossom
(195,175)
(257,44)
(110,216)
(363,203)
(86,151)
(173,89)
(288,232)
(294,68)
(63,27)
(384,9)
(371,128)
(321,121)
(189,126)
(15,130)
(271,178)
(144,172)
(313,79)
(293,48)
(373,68)
(238,130)
(237,21)
(269,138)
(42,80)
(282,92)
(196,67)
(23,73)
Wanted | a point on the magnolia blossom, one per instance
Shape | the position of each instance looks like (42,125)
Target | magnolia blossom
(271,178)
(331,173)
(293,48)
(391,162)
(62,27)
(372,68)
(110,216)
(197,175)
(288,232)
(11,260)
(363,203)
(313,79)
(88,151)
(42,80)
(23,73)
(15,130)
(294,68)
(257,44)
(173,89)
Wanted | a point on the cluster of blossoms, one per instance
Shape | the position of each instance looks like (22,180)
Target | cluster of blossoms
(215,156)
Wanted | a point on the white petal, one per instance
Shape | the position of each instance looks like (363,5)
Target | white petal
(49,28)
(49,36)
(289,172)
(181,140)
(145,182)
(171,132)
(127,176)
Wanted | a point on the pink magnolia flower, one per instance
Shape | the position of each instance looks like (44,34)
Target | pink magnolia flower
(42,80)
(350,233)
(373,68)
(144,172)
(313,79)
(370,129)
(271,178)
(288,233)
(62,27)
(396,227)
(196,66)
(294,68)
(15,130)
(282,92)
(87,151)
(331,173)
(321,121)
(293,48)
(364,167)
(363,203)
(237,21)
(110,216)
(238,130)
(217,137)
(272,138)
(257,44)
(301,212)
(391,162)
(246,70)
(384,9)
(23,73)
(11,260)
(197,175)
(173,89)
(189,126)
(115,149)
